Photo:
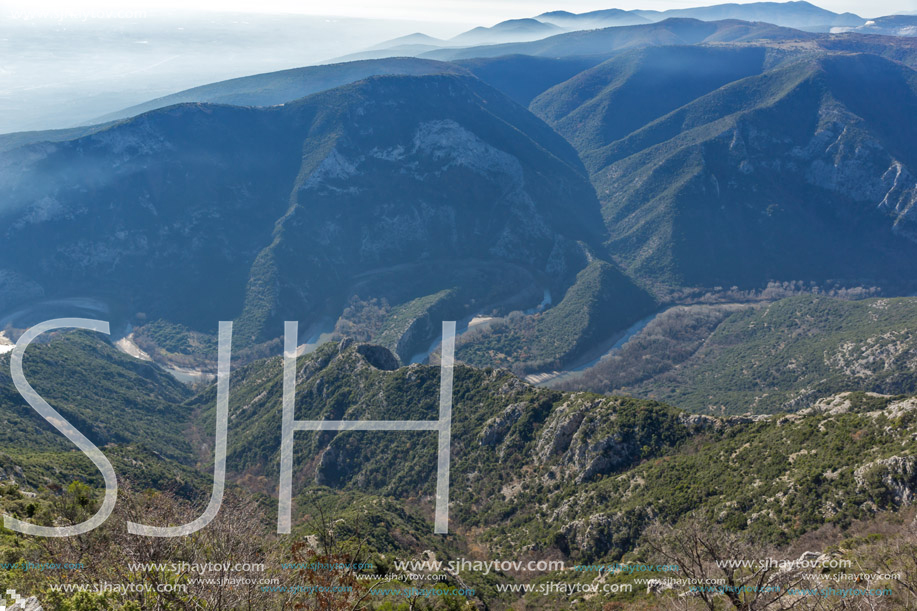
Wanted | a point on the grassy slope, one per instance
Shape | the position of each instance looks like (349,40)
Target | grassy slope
(110,397)
(785,355)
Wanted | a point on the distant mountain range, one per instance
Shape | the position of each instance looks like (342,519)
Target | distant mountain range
(514,30)
(798,15)
(791,14)
(594,19)
(608,41)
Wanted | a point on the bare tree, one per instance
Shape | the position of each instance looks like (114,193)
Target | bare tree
(706,554)
(894,556)
(328,562)
(192,572)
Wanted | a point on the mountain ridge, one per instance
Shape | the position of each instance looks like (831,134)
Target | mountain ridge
(532,206)
(274,88)
(697,142)
(606,41)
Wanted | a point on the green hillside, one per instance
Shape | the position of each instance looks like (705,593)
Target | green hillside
(110,397)
(775,357)
(573,455)
(535,474)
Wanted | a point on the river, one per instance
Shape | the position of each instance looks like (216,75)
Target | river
(594,356)
(470,322)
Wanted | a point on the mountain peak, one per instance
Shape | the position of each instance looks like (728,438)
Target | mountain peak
(513,30)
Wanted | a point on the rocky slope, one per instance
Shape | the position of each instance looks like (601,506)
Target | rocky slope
(589,473)
(535,473)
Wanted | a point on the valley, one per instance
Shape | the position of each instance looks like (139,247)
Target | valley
(602,351)
(679,248)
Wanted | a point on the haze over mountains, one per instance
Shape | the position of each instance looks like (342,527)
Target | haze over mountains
(792,14)
(797,14)
(276,88)
(102,65)
(894,25)
(62,69)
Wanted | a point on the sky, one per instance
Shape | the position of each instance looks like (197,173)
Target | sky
(464,11)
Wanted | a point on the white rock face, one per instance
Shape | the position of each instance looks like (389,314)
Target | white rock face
(449,142)
(334,167)
(28,604)
(437,150)
(5,344)
(897,473)
(883,352)
(496,428)
(841,157)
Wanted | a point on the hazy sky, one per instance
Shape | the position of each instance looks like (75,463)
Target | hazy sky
(71,62)
(464,11)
